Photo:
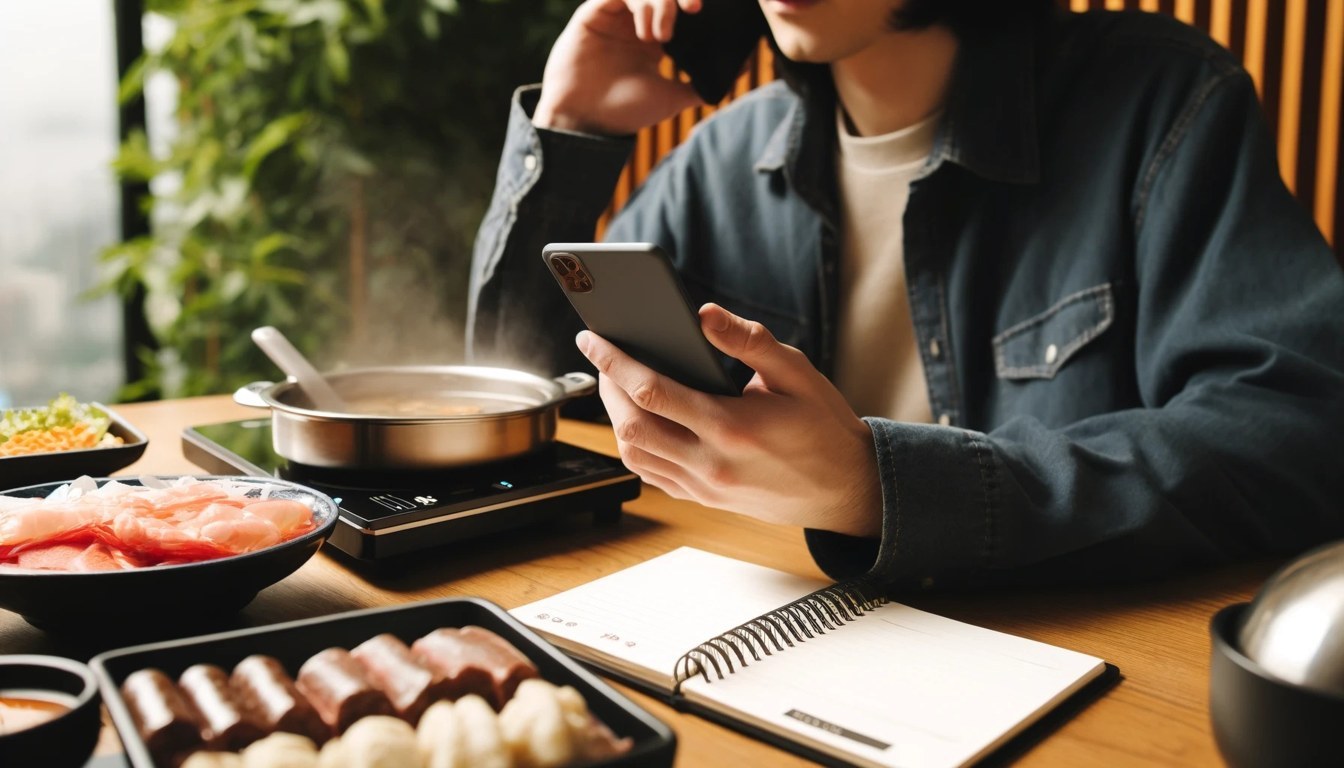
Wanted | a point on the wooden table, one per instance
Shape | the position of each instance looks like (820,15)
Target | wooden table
(1157,634)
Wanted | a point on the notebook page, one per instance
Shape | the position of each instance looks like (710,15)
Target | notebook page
(903,687)
(651,613)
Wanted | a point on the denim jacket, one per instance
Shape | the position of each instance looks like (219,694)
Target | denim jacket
(1132,334)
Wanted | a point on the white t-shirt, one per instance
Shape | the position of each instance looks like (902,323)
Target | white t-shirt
(878,367)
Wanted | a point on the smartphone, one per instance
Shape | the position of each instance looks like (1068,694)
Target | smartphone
(629,294)
(712,45)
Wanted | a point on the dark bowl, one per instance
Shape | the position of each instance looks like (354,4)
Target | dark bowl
(653,744)
(1262,720)
(51,466)
(180,594)
(65,741)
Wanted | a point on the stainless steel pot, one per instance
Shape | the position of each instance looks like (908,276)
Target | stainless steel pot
(417,417)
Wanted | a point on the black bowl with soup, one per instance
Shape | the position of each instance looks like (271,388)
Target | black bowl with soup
(49,711)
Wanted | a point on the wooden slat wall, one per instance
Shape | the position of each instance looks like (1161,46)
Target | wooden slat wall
(1293,49)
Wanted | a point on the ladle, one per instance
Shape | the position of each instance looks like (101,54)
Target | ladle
(295,365)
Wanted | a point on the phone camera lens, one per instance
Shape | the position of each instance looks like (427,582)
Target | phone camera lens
(571,271)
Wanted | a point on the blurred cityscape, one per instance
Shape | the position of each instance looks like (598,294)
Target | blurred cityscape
(58,201)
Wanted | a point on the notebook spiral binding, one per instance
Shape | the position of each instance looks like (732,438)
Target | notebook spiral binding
(828,608)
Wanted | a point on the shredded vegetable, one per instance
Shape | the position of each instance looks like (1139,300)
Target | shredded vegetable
(61,425)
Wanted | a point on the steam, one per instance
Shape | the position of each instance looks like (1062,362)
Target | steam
(406,256)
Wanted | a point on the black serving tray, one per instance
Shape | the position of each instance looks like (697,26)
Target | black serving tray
(291,643)
(52,466)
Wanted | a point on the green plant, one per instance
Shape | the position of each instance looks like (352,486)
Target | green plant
(331,163)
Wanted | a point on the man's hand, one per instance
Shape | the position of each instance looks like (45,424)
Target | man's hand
(789,451)
(602,75)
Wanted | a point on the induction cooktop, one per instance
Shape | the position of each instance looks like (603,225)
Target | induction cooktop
(388,513)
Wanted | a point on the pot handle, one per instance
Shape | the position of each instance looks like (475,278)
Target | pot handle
(576,384)
(250,394)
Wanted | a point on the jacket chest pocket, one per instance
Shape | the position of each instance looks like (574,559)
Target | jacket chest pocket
(1039,346)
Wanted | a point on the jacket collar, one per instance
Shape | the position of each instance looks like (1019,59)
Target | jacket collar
(989,124)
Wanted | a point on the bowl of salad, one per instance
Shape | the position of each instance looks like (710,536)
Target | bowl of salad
(63,439)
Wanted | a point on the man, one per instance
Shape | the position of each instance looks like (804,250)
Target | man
(1047,257)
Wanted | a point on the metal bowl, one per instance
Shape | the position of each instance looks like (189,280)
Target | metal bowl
(488,414)
(1276,694)
(1294,628)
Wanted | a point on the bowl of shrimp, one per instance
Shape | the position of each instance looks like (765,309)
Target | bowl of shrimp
(152,549)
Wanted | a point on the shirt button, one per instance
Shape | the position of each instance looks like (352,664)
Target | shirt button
(935,349)
(530,162)
(1051,354)
(945,420)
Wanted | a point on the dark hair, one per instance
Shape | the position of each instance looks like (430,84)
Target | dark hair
(964,17)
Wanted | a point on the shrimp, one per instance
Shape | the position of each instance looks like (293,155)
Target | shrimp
(98,557)
(38,522)
(184,501)
(159,540)
(288,515)
(228,526)
(246,534)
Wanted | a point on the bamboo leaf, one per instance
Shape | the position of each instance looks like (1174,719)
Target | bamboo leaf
(133,82)
(134,161)
(337,58)
(299,13)
(268,245)
(232,286)
(429,22)
(373,10)
(276,134)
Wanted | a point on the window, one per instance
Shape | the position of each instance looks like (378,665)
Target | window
(59,201)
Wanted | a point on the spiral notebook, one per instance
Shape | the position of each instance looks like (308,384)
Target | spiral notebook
(831,671)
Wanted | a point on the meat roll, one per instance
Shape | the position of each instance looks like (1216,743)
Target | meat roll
(270,696)
(338,688)
(225,724)
(410,685)
(168,725)
(475,660)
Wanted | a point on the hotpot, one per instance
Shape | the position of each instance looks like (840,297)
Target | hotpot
(417,417)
